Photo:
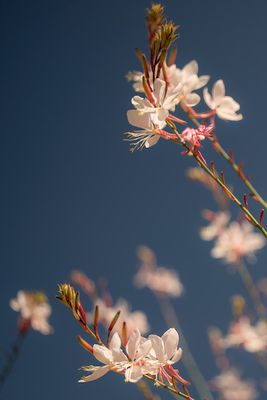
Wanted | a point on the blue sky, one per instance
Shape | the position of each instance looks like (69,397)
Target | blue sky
(74,197)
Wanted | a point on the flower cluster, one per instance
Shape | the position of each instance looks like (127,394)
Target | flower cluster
(153,356)
(160,280)
(34,311)
(167,86)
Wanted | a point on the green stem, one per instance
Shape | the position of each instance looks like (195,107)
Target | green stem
(252,290)
(171,319)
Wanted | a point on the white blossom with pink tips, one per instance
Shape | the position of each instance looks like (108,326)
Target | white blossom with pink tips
(150,114)
(225,106)
(142,356)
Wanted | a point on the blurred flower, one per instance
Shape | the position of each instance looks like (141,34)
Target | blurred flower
(225,106)
(133,319)
(159,279)
(252,338)
(85,283)
(236,241)
(34,311)
(231,387)
(137,78)
(218,222)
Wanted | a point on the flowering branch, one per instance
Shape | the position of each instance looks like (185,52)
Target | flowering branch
(151,358)
(12,356)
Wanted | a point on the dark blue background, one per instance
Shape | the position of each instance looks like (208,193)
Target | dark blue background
(73,196)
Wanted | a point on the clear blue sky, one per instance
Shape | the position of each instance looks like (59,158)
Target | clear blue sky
(73,196)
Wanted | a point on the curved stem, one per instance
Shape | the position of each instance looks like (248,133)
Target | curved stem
(12,357)
(171,389)
(218,147)
(252,290)
(171,319)
(222,184)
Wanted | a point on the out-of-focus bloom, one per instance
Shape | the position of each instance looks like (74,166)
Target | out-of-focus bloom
(231,387)
(236,241)
(252,338)
(133,319)
(225,106)
(218,222)
(153,356)
(85,283)
(137,78)
(159,279)
(34,311)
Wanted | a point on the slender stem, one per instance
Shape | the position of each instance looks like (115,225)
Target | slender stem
(12,357)
(145,390)
(171,389)
(252,290)
(171,319)
(218,147)
(222,184)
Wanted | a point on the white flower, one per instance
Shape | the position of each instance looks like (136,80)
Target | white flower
(190,81)
(225,106)
(237,241)
(154,356)
(231,387)
(218,223)
(252,338)
(134,319)
(159,279)
(34,309)
(187,77)
(165,348)
(150,116)
(133,365)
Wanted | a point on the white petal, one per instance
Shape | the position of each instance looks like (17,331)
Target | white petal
(152,141)
(159,89)
(190,68)
(170,340)
(133,343)
(177,356)
(97,373)
(102,354)
(158,347)
(192,99)
(218,91)
(133,374)
(208,99)
(115,343)
(139,119)
(202,81)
